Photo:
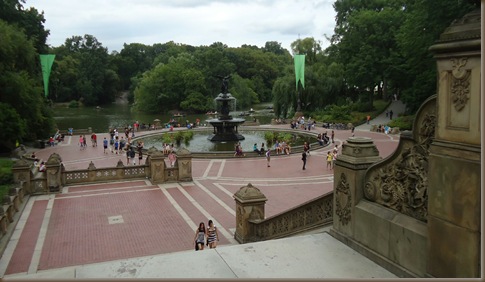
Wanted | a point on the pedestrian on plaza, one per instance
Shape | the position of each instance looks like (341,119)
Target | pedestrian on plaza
(212,235)
(390,114)
(262,150)
(199,238)
(387,113)
(329,159)
(368,119)
(93,140)
(140,152)
(81,143)
(85,141)
(268,156)
(172,158)
(303,158)
(333,136)
(117,144)
(353,129)
(105,145)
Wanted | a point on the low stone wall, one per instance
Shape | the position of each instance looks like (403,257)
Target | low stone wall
(93,174)
(251,226)
(310,215)
(9,207)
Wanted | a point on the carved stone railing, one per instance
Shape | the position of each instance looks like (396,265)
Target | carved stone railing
(400,182)
(93,174)
(251,226)
(310,215)
(9,206)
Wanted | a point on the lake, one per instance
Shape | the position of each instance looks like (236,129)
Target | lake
(120,115)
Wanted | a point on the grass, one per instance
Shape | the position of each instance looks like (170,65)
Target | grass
(6,176)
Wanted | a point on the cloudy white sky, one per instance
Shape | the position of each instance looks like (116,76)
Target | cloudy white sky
(193,22)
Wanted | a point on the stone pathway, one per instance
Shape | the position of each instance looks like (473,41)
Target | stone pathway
(115,221)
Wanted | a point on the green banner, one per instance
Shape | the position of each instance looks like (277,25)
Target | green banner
(300,70)
(46,62)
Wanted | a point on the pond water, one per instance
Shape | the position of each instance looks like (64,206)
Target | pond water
(119,115)
(199,142)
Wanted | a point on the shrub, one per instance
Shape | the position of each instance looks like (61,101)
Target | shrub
(73,104)
(269,137)
(6,176)
(403,122)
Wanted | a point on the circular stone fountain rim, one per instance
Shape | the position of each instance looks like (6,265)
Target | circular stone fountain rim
(230,154)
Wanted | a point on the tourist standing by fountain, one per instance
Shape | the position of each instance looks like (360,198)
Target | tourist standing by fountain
(268,156)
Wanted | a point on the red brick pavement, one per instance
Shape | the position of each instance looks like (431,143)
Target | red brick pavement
(79,231)
(22,255)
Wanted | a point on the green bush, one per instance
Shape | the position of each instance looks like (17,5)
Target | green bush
(403,122)
(188,135)
(269,137)
(73,104)
(178,136)
(6,176)
(167,138)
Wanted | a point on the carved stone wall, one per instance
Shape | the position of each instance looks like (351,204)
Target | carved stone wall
(401,181)
(454,218)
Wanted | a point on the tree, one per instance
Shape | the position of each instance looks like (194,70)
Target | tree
(95,82)
(20,88)
(417,71)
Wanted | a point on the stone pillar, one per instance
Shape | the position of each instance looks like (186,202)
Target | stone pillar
(184,165)
(249,207)
(454,184)
(91,172)
(54,173)
(356,156)
(22,174)
(156,162)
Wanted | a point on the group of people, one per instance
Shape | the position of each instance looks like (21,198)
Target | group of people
(300,123)
(383,128)
(206,236)
(332,157)
(40,165)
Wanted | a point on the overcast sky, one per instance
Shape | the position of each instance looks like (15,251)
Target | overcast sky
(193,22)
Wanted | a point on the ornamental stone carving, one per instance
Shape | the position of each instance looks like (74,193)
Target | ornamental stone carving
(401,183)
(460,83)
(343,200)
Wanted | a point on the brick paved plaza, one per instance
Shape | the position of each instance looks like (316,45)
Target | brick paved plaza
(119,220)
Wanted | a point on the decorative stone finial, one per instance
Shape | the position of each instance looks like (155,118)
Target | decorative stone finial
(249,193)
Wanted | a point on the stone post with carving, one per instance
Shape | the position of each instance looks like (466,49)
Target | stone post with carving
(454,160)
(156,164)
(54,173)
(249,207)
(22,174)
(184,165)
(356,156)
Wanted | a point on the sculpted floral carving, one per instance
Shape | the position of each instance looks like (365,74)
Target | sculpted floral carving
(460,83)
(343,200)
(402,184)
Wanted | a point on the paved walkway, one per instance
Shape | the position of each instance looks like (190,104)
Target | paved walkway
(131,228)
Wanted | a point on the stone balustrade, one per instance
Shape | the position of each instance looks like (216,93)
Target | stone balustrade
(251,226)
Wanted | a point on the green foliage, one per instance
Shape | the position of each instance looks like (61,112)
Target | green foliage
(26,111)
(269,136)
(178,136)
(6,176)
(167,138)
(73,104)
(188,135)
(284,136)
(403,122)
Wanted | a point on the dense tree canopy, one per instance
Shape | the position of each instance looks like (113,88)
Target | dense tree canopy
(379,48)
(24,113)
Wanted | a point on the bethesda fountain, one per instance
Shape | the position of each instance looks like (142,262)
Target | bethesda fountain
(225,126)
